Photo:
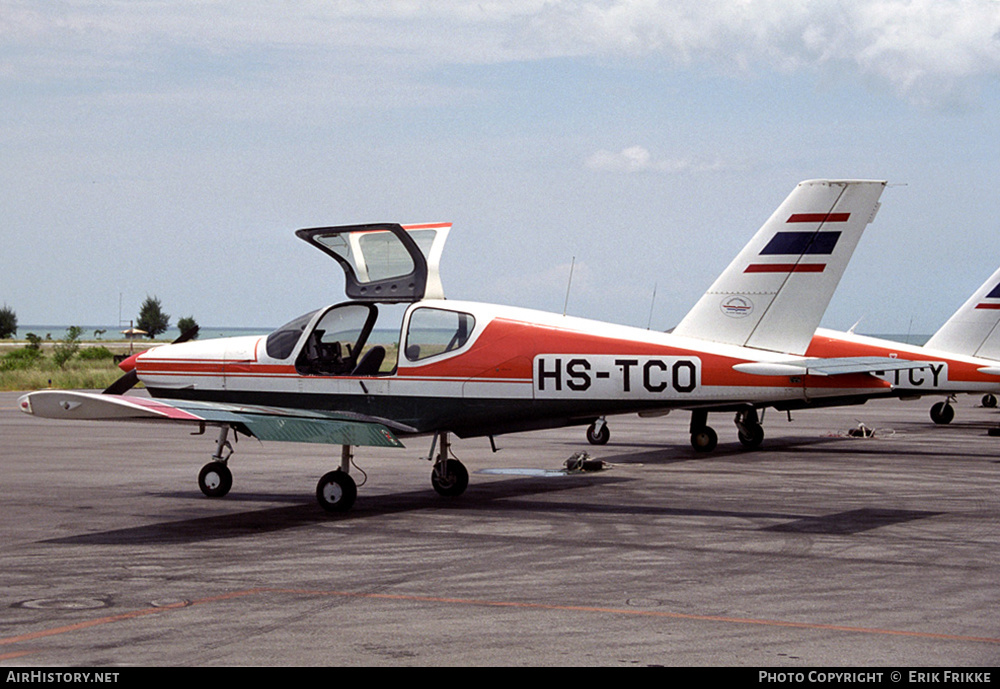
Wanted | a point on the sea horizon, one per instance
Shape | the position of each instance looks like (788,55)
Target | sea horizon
(114,333)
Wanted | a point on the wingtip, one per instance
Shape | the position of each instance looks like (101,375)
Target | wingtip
(24,404)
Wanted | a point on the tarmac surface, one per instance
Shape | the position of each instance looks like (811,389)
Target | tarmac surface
(818,549)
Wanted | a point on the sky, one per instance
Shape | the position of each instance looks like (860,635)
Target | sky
(171,149)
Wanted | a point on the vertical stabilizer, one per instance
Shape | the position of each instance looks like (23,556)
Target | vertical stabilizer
(773,295)
(972,330)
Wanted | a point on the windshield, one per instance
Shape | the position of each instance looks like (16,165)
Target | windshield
(282,341)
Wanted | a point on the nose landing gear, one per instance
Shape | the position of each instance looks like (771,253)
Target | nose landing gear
(215,478)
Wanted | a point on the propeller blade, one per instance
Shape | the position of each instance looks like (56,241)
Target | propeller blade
(188,334)
(123,384)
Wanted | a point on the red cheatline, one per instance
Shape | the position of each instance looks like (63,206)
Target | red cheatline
(785,268)
(819,217)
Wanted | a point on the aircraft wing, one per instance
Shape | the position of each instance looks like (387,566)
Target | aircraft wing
(837,366)
(265,423)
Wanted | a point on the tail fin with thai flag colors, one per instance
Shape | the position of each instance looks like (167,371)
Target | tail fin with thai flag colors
(773,295)
(973,329)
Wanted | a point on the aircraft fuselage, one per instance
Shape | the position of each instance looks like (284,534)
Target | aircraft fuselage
(502,369)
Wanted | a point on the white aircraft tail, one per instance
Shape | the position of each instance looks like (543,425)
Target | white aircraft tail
(973,329)
(773,295)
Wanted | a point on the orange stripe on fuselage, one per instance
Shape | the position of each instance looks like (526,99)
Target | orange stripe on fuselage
(210,368)
(515,344)
(827,347)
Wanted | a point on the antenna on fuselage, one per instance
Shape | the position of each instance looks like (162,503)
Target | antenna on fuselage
(651,302)
(569,284)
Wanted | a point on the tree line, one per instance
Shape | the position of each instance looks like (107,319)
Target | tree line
(152,319)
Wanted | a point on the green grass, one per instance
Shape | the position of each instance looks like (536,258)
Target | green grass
(76,375)
(22,368)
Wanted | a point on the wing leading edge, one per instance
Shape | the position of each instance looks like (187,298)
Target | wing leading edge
(264,423)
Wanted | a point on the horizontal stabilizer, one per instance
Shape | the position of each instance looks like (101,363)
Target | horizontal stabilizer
(774,294)
(839,366)
(265,423)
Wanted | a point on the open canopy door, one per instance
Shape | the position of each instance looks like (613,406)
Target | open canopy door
(385,262)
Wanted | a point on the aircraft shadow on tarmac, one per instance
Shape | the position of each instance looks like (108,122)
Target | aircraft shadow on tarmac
(515,496)
(881,443)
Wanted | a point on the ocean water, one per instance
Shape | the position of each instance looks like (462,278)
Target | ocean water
(114,333)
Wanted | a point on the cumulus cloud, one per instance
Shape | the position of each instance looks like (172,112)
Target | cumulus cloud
(636,159)
(923,49)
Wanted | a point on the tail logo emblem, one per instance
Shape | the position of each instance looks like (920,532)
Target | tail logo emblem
(736,306)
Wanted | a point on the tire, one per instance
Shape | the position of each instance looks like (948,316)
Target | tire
(215,479)
(704,440)
(942,413)
(455,480)
(989,400)
(336,491)
(599,437)
(753,438)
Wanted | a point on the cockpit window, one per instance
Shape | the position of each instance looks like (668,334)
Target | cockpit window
(436,331)
(333,346)
(384,257)
(282,341)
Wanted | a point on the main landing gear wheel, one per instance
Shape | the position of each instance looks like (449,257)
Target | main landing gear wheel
(336,491)
(989,400)
(704,440)
(748,428)
(942,413)
(450,478)
(703,437)
(215,479)
(598,433)
(752,436)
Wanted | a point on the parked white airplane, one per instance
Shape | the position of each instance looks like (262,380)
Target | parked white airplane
(963,355)
(482,369)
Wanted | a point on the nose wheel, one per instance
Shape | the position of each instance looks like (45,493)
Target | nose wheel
(336,491)
(215,479)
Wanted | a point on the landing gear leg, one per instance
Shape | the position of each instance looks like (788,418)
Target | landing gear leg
(703,437)
(336,490)
(215,478)
(748,428)
(598,432)
(449,476)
